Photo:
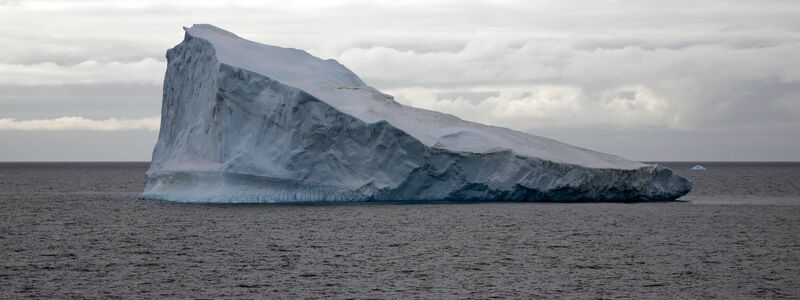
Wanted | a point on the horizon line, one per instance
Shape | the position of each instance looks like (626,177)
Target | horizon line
(643,161)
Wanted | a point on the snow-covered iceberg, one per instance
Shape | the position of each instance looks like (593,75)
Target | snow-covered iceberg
(248,122)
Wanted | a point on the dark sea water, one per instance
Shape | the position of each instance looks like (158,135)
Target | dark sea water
(75,230)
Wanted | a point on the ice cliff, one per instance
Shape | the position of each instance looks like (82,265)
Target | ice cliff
(247,122)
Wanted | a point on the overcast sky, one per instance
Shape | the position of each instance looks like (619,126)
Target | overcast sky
(644,79)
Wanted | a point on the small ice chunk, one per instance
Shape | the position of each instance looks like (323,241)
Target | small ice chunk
(699,168)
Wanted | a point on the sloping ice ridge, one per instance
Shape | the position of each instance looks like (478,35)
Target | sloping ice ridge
(248,122)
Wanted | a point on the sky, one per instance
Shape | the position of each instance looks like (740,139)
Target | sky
(647,80)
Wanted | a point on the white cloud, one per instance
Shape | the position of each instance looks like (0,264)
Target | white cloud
(148,70)
(580,65)
(79,123)
(690,87)
(527,108)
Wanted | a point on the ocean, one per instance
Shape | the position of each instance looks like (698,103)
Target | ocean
(76,230)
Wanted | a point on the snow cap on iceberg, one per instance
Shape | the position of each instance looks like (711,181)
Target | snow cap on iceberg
(341,88)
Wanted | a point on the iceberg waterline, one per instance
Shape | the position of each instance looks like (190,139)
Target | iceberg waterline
(247,122)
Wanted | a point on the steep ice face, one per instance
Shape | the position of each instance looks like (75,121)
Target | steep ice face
(331,82)
(246,122)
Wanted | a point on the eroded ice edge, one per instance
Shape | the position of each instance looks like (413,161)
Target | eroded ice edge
(247,122)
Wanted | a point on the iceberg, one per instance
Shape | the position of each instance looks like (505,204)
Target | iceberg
(698,168)
(245,122)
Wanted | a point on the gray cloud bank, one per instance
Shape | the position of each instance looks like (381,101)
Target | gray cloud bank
(649,80)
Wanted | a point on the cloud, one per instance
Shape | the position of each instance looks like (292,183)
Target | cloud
(554,82)
(528,108)
(148,70)
(90,100)
(610,66)
(79,123)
